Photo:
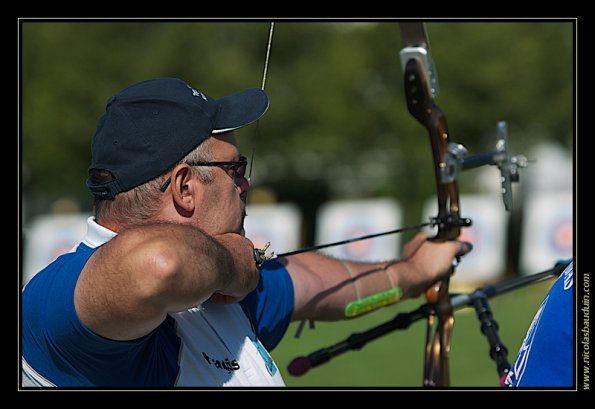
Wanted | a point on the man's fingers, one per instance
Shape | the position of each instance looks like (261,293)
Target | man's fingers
(415,243)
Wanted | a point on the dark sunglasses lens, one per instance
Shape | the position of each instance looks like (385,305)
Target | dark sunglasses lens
(240,170)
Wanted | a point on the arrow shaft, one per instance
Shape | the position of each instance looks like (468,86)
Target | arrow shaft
(347,241)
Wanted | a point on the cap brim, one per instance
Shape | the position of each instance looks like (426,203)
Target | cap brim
(240,109)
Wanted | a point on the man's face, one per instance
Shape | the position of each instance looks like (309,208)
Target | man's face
(221,209)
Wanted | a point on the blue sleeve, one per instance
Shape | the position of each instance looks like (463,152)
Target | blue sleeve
(545,358)
(270,305)
(65,352)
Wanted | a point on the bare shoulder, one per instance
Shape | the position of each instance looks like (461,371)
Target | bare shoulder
(131,282)
(114,295)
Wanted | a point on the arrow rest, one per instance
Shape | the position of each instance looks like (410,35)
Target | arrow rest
(450,222)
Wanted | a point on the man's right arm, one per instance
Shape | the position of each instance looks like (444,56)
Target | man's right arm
(130,283)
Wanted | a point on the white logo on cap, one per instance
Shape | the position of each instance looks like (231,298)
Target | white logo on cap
(196,93)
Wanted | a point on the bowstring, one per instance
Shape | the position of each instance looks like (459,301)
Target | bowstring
(264,78)
(268,55)
(262,86)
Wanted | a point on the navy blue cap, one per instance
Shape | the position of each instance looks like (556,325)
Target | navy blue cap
(150,126)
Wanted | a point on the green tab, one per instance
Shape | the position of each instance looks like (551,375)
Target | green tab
(355,308)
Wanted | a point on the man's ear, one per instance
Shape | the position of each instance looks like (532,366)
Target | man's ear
(182,189)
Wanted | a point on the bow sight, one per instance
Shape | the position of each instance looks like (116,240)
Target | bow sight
(455,161)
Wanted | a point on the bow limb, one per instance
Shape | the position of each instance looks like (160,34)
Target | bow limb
(420,88)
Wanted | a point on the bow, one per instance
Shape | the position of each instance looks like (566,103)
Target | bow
(421,86)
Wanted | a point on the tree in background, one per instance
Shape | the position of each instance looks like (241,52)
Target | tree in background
(337,126)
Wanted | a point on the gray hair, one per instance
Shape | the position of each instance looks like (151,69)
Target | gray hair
(141,204)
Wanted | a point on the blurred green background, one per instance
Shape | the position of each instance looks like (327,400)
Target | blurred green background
(396,359)
(337,128)
(337,100)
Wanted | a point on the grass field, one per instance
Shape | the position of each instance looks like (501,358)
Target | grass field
(396,359)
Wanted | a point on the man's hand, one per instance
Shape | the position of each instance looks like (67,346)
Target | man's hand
(430,261)
(245,274)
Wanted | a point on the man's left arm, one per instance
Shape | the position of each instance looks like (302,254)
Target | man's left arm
(323,286)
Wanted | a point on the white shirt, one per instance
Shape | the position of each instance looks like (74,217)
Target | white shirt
(216,343)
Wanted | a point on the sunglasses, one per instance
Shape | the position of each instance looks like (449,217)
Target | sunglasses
(234,169)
